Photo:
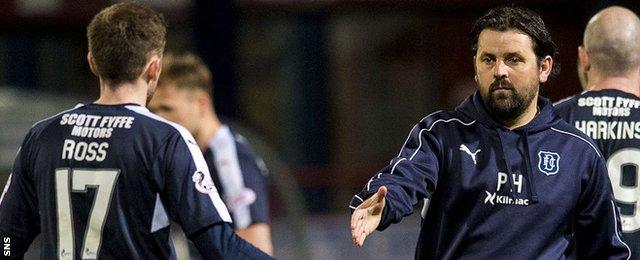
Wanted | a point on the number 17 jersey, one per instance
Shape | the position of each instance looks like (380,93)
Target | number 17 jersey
(612,119)
(104,181)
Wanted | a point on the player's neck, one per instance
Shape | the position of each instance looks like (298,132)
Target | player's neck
(622,83)
(130,92)
(209,126)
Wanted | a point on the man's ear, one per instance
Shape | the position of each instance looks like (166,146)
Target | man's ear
(203,100)
(546,65)
(583,57)
(154,68)
(92,64)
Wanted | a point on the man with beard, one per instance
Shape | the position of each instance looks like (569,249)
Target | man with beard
(609,61)
(501,171)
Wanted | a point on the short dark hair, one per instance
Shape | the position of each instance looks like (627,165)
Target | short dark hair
(527,21)
(122,38)
(186,71)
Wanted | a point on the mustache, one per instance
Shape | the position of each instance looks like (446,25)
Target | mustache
(501,84)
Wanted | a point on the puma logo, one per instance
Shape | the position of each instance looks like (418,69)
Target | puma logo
(465,149)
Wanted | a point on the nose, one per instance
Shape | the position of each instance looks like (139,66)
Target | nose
(500,70)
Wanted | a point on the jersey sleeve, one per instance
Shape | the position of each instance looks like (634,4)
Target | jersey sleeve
(255,179)
(221,242)
(192,199)
(19,217)
(410,177)
(597,224)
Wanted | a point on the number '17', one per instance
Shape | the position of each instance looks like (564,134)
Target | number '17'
(103,180)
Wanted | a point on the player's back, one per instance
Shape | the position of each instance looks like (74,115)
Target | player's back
(106,179)
(612,119)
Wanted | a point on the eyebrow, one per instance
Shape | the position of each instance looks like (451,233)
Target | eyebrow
(486,54)
(508,54)
(514,54)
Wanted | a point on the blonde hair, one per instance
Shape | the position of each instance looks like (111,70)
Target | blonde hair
(186,71)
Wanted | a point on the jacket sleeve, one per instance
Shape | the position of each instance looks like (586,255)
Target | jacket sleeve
(597,224)
(409,178)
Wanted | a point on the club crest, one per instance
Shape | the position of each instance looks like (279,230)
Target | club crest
(548,162)
(203,182)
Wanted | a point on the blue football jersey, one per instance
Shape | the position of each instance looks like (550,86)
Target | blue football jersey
(240,176)
(104,181)
(612,119)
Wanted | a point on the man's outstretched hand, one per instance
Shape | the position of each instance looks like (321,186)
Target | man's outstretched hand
(366,218)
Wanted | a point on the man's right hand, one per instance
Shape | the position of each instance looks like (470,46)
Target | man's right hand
(366,218)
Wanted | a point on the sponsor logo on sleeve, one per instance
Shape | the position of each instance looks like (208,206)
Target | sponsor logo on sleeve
(203,182)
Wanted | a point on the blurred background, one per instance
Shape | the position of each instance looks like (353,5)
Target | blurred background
(326,90)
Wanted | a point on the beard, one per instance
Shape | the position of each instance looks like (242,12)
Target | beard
(504,102)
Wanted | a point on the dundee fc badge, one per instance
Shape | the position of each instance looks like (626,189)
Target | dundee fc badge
(548,162)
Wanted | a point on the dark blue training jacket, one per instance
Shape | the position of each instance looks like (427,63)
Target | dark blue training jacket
(496,193)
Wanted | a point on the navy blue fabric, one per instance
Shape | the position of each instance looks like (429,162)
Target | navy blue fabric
(254,175)
(612,119)
(219,241)
(556,191)
(153,157)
